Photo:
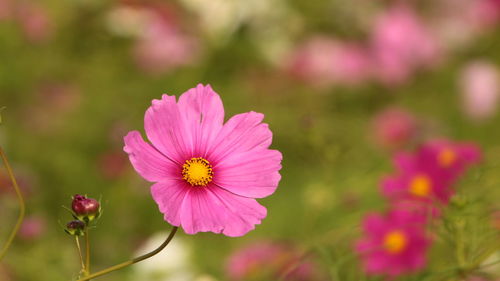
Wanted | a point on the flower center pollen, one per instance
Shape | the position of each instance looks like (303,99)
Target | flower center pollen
(197,172)
(395,242)
(420,186)
(447,157)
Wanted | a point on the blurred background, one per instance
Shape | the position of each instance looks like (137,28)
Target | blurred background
(343,85)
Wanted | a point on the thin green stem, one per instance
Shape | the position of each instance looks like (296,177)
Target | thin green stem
(22,208)
(132,261)
(483,257)
(80,253)
(460,247)
(87,252)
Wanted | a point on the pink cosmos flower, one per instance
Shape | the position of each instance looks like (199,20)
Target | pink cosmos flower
(402,43)
(460,22)
(32,228)
(163,46)
(451,158)
(5,9)
(324,61)
(480,84)
(206,173)
(394,244)
(394,128)
(416,181)
(34,21)
(267,259)
(428,174)
(483,13)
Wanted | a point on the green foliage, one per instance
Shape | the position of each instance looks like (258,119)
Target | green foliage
(68,142)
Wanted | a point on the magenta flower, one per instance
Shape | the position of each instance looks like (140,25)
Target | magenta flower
(428,174)
(416,181)
(394,244)
(450,158)
(206,173)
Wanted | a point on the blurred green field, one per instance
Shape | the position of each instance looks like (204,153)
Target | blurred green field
(72,96)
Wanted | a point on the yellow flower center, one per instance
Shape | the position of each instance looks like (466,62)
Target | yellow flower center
(447,157)
(420,186)
(395,242)
(197,172)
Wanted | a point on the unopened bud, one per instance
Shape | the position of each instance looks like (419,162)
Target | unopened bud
(85,209)
(75,227)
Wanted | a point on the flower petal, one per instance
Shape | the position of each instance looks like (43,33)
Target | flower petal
(169,195)
(167,129)
(252,174)
(147,161)
(204,114)
(241,133)
(214,209)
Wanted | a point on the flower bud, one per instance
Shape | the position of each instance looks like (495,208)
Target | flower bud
(85,209)
(75,227)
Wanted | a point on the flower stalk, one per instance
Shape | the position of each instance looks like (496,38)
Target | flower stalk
(77,241)
(87,252)
(22,208)
(132,261)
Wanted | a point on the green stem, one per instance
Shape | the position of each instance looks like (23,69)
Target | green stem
(22,208)
(460,250)
(87,251)
(135,260)
(80,253)
(484,256)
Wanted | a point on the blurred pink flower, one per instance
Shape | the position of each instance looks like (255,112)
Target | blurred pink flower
(206,173)
(5,9)
(55,99)
(266,259)
(324,61)
(394,128)
(32,228)
(394,244)
(25,180)
(163,47)
(34,21)
(480,85)
(401,43)
(459,22)
(484,13)
(30,16)
(112,164)
(59,96)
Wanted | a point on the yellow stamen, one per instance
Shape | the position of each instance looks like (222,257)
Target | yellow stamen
(447,157)
(395,242)
(197,172)
(420,186)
